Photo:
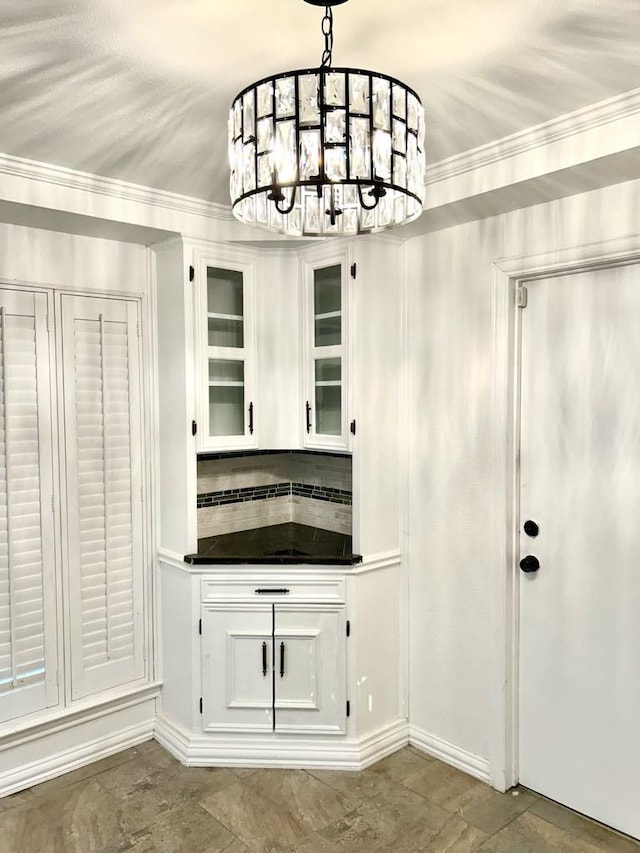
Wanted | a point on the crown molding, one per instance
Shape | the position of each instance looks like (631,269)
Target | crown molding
(47,173)
(571,124)
(571,127)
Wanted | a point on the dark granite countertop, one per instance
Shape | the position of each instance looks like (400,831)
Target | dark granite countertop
(279,544)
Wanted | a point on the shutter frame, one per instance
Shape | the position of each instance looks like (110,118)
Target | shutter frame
(28,612)
(104,464)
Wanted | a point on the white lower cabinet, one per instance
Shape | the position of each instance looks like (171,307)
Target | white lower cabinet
(274,667)
(280,666)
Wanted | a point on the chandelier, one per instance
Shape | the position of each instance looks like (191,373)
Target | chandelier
(327,151)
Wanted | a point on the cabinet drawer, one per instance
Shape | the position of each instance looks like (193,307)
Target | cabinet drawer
(273,589)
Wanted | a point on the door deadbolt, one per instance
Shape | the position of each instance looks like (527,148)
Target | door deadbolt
(529,563)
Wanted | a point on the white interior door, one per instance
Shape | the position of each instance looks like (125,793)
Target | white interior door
(580,483)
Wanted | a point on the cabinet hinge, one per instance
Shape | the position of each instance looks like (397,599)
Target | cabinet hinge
(48,326)
(521,296)
(194,427)
(199,626)
(192,273)
(354,269)
(352,427)
(138,328)
(201,704)
(348,628)
(141,494)
(348,708)
(53,503)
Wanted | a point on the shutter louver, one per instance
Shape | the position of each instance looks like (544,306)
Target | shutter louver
(102,402)
(27,605)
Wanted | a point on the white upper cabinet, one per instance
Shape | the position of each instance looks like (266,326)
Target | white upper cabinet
(28,658)
(271,348)
(325,359)
(103,485)
(225,352)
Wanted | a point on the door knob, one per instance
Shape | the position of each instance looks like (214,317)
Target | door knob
(529,563)
(531,528)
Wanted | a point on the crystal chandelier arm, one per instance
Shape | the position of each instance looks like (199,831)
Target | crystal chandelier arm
(277,200)
(362,202)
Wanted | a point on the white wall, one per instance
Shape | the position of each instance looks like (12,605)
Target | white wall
(51,258)
(455,541)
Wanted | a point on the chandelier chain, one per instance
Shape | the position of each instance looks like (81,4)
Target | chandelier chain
(327,31)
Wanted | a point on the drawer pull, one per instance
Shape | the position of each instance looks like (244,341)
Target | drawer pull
(272,591)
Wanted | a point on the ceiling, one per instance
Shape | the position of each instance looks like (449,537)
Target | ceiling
(139,89)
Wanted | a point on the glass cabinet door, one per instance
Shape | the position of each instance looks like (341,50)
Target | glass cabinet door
(228,402)
(325,410)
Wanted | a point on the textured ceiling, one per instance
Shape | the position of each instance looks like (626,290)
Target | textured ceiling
(139,89)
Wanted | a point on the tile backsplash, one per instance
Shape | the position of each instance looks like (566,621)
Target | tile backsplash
(243,491)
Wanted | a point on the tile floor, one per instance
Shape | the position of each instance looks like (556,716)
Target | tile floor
(143,800)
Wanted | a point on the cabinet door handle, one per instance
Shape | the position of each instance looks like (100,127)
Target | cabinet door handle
(264,660)
(281,660)
(250,418)
(308,407)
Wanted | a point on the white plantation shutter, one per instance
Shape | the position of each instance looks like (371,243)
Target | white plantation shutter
(102,402)
(28,680)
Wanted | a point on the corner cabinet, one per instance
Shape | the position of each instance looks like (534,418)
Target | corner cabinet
(334,341)
(225,325)
(326,353)
(280,666)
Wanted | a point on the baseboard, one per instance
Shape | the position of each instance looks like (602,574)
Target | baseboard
(468,762)
(385,741)
(294,752)
(52,753)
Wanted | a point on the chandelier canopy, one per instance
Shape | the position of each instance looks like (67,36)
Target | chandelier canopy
(327,151)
